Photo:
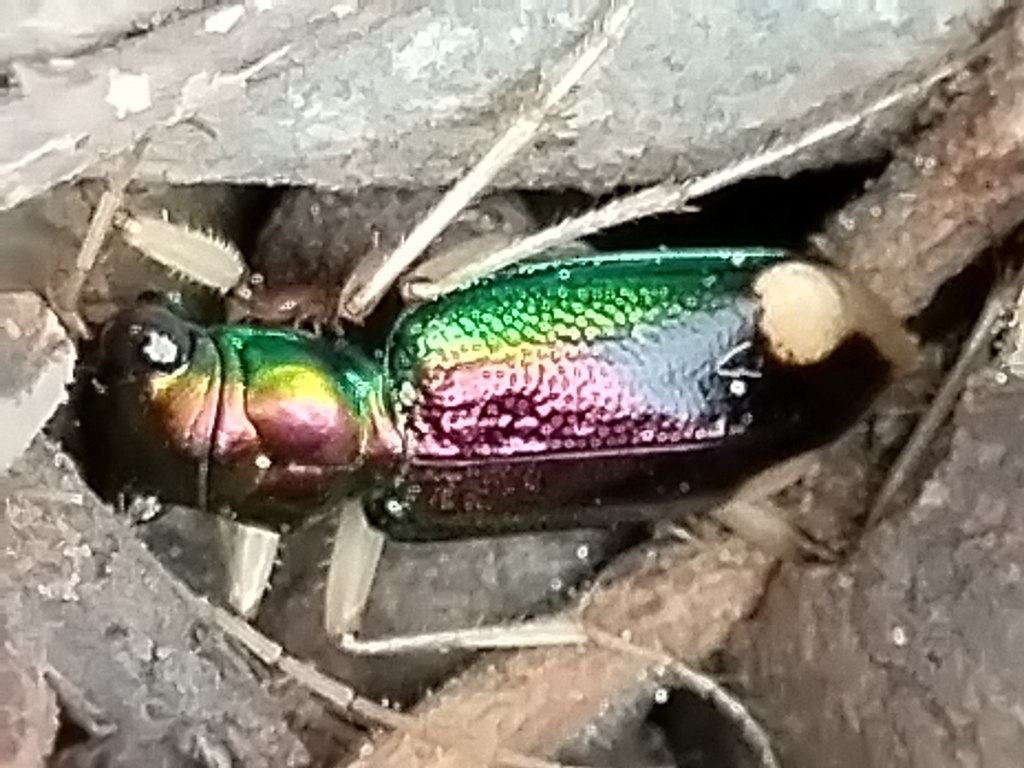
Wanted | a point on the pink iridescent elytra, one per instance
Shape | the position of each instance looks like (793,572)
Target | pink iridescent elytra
(590,391)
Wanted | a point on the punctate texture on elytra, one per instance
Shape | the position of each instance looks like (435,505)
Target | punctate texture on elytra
(588,391)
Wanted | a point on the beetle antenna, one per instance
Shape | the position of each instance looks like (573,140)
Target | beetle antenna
(358,301)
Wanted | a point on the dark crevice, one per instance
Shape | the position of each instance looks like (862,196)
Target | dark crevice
(765,211)
(70,734)
(8,81)
(698,735)
(674,728)
(950,314)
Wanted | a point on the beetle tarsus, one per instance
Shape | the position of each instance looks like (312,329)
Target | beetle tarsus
(751,514)
(535,633)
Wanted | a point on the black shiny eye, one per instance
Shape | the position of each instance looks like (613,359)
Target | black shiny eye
(145,340)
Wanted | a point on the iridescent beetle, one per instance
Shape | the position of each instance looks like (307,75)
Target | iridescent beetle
(562,393)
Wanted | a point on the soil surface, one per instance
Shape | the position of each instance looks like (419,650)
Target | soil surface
(910,654)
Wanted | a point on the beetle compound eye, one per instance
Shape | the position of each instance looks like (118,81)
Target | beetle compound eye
(159,350)
(146,340)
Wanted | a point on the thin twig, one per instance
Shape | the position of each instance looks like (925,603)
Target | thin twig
(647,202)
(699,683)
(64,300)
(356,303)
(984,329)
(669,197)
(344,698)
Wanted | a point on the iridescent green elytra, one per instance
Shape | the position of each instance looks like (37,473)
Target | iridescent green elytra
(585,391)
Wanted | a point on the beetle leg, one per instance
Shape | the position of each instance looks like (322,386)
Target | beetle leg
(749,513)
(358,548)
(448,269)
(753,516)
(64,299)
(358,299)
(352,570)
(466,262)
(535,633)
(249,554)
(493,224)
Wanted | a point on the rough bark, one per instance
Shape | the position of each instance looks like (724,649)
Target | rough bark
(954,192)
(906,656)
(909,655)
(81,595)
(681,605)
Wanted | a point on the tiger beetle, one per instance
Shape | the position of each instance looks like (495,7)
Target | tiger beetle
(566,392)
